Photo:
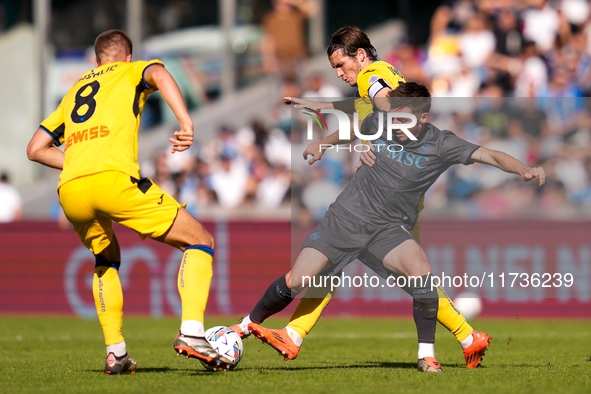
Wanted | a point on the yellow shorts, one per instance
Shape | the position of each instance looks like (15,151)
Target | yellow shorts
(91,203)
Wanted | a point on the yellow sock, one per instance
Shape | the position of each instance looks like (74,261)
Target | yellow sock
(308,311)
(451,318)
(194,281)
(108,298)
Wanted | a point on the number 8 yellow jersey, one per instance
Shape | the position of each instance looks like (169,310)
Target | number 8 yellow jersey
(98,120)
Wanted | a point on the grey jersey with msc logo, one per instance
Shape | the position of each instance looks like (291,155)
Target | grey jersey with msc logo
(389,192)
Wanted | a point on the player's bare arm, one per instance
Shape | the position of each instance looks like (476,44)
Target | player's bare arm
(300,103)
(509,164)
(157,76)
(42,149)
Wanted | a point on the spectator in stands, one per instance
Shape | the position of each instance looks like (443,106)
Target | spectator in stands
(160,173)
(562,84)
(284,41)
(10,201)
(541,23)
(229,182)
(407,59)
(530,71)
(318,87)
(272,189)
(451,16)
(477,42)
(509,39)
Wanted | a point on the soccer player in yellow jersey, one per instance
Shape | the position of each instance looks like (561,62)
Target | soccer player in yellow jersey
(356,62)
(98,121)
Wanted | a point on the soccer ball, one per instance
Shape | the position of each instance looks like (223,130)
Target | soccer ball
(226,343)
(469,304)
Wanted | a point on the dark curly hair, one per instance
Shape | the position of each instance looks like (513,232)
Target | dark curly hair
(350,39)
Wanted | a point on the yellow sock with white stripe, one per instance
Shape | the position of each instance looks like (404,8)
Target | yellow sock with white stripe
(194,281)
(451,318)
(108,298)
(309,310)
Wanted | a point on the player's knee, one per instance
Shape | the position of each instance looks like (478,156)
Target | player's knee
(206,239)
(205,242)
(195,236)
(199,234)
(420,268)
(294,283)
(103,261)
(111,253)
(187,231)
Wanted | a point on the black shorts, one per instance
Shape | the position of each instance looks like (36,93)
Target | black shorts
(342,238)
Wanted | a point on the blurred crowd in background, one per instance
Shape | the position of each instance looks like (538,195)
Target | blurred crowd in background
(487,49)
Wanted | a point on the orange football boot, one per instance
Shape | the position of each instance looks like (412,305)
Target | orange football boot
(236,328)
(429,364)
(278,339)
(474,353)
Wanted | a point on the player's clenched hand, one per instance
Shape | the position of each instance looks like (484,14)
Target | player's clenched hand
(314,150)
(536,173)
(367,157)
(183,139)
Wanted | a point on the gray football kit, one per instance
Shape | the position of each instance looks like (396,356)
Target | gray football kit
(380,205)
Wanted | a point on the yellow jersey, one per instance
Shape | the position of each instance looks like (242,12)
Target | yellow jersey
(373,78)
(98,120)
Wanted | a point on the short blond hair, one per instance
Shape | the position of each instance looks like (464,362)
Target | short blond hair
(112,43)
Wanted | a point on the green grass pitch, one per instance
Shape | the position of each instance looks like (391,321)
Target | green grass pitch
(66,355)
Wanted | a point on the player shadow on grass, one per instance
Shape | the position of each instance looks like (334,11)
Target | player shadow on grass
(201,371)
(143,369)
(369,364)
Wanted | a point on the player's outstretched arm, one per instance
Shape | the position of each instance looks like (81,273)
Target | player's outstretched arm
(346,105)
(42,150)
(305,103)
(157,76)
(509,164)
